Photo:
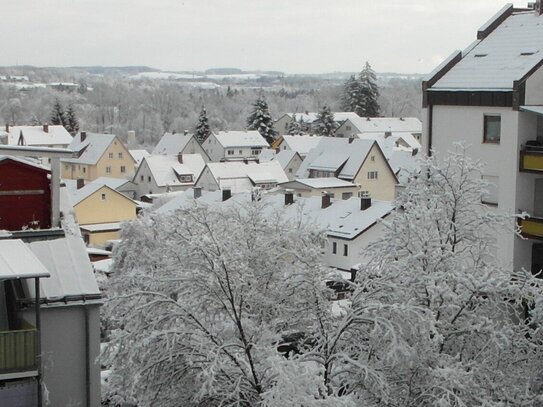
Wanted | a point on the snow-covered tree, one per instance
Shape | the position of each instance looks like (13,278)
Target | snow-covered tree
(203,297)
(57,116)
(353,98)
(367,82)
(261,120)
(325,124)
(71,122)
(436,320)
(295,127)
(202,130)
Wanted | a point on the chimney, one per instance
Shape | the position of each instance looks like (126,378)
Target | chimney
(80,183)
(351,139)
(180,158)
(365,201)
(538,7)
(83,135)
(414,152)
(186,132)
(46,128)
(277,150)
(226,194)
(7,127)
(289,197)
(388,133)
(197,192)
(131,138)
(326,200)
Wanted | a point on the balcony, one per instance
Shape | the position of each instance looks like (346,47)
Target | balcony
(531,227)
(531,157)
(18,350)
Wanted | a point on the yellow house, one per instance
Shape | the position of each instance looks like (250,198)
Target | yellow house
(98,155)
(361,162)
(100,210)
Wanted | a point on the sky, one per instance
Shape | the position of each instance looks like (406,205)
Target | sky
(292,36)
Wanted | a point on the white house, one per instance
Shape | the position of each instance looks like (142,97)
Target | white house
(241,177)
(491,96)
(290,160)
(160,173)
(179,143)
(367,125)
(234,145)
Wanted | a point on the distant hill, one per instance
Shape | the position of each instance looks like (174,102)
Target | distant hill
(223,71)
(109,70)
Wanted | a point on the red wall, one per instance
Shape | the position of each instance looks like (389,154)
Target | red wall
(18,210)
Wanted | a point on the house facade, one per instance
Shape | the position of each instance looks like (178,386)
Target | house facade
(98,155)
(234,145)
(99,211)
(179,143)
(490,96)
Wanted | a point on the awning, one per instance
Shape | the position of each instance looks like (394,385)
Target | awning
(18,261)
(532,109)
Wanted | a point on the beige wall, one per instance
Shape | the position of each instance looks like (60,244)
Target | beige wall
(92,172)
(383,187)
(100,238)
(336,191)
(114,208)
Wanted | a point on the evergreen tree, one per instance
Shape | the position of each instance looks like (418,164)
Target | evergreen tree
(229,92)
(57,115)
(261,120)
(325,124)
(202,130)
(370,92)
(294,127)
(352,99)
(71,123)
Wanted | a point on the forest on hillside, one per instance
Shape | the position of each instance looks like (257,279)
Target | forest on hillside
(118,101)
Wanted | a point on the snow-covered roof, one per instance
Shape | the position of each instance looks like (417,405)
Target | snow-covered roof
(186,200)
(37,136)
(507,54)
(331,153)
(321,183)
(283,157)
(139,155)
(250,138)
(101,227)
(18,261)
(81,194)
(302,144)
(113,183)
(310,117)
(166,169)
(382,124)
(91,148)
(26,161)
(71,271)
(263,172)
(393,140)
(172,143)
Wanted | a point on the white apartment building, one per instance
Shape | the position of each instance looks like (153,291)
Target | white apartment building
(491,96)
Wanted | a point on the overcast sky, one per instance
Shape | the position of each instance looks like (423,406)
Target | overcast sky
(293,36)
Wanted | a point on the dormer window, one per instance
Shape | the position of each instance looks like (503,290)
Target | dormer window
(481,55)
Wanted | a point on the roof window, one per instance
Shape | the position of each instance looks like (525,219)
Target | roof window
(480,55)
(527,52)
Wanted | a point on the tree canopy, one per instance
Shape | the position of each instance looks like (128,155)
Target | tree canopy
(261,120)
(361,94)
(202,130)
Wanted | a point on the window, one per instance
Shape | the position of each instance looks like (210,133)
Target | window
(347,128)
(123,168)
(84,170)
(372,174)
(230,152)
(149,180)
(241,151)
(290,170)
(103,197)
(492,129)
(141,178)
(490,192)
(346,195)
(334,247)
(110,155)
(120,156)
(66,167)
(372,158)
(255,152)
(345,250)
(108,170)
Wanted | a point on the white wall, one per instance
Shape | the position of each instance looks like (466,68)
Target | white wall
(534,88)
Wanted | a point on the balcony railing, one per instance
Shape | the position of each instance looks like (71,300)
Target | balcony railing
(531,227)
(18,351)
(531,159)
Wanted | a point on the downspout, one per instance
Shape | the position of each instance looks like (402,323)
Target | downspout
(87,357)
(430,127)
(38,341)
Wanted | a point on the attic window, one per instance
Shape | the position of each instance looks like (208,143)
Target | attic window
(480,55)
(527,52)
